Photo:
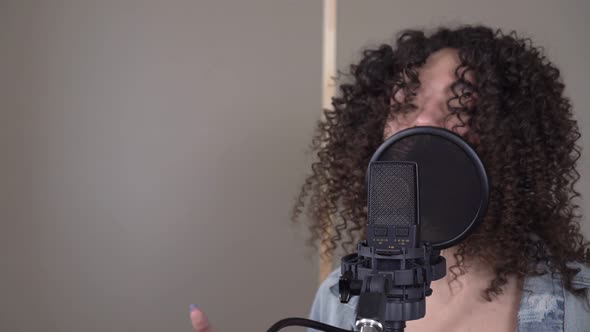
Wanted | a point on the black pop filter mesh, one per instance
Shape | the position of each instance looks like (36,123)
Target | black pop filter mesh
(452,183)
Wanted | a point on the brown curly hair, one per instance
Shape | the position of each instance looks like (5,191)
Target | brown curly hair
(526,137)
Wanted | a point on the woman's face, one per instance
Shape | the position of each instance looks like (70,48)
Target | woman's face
(436,77)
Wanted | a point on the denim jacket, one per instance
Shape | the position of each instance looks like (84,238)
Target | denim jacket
(547,307)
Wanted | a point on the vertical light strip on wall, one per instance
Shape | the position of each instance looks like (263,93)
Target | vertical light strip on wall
(328,91)
(329,53)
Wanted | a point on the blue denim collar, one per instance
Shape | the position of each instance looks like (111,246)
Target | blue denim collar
(542,304)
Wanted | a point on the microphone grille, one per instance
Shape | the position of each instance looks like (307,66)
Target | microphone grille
(392,193)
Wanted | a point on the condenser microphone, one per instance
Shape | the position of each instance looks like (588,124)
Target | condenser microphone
(426,190)
(392,208)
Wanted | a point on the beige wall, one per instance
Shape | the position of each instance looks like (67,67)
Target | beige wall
(154,151)
(151,150)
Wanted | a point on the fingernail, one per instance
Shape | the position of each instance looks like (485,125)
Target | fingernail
(193,307)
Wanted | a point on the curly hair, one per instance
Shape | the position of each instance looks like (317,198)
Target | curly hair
(526,137)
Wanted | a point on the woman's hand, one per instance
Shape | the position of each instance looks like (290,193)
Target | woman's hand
(199,320)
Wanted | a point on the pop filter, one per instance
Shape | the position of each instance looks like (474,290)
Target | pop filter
(452,185)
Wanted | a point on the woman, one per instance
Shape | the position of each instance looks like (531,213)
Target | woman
(525,266)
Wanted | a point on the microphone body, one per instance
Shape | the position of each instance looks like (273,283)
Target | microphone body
(410,217)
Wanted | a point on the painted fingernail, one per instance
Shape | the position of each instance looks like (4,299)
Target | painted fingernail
(193,307)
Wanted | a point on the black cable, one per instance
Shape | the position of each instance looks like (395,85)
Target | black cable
(305,323)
